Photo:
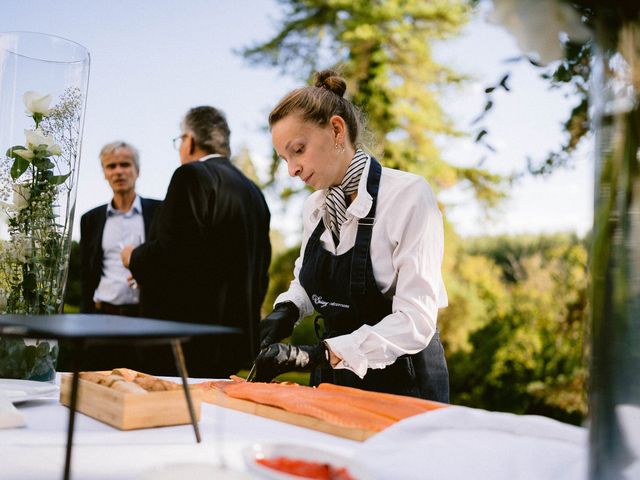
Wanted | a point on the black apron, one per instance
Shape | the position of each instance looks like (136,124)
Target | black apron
(344,292)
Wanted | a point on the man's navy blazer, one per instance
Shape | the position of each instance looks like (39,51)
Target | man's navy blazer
(91,253)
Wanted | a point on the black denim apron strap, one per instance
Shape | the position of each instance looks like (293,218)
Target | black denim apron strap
(360,258)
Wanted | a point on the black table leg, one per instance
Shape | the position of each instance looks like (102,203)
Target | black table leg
(182,370)
(76,355)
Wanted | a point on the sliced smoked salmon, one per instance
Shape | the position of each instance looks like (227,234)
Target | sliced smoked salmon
(310,401)
(343,407)
(396,407)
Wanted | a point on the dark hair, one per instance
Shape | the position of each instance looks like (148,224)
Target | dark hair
(318,103)
(209,129)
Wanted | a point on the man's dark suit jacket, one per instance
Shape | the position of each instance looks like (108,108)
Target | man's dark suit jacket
(207,261)
(102,357)
(91,229)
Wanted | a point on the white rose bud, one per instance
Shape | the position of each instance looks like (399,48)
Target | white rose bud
(36,102)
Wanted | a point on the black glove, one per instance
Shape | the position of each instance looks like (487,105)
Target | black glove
(278,324)
(279,358)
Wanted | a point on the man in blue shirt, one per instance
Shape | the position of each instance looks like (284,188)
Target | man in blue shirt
(106,287)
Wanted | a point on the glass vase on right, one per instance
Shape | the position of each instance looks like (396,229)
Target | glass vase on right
(43,89)
(615,257)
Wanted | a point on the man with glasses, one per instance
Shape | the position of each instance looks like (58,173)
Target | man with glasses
(208,256)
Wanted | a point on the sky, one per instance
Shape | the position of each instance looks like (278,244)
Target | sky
(524,123)
(152,60)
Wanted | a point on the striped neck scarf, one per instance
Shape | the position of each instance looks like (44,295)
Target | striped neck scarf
(336,196)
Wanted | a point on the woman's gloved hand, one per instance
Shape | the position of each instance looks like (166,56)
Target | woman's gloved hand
(278,324)
(279,358)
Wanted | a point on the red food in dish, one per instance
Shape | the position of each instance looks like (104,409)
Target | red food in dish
(306,469)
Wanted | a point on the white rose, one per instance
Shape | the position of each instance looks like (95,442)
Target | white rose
(35,138)
(21,196)
(36,102)
(537,25)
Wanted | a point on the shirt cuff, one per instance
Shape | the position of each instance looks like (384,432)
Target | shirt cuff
(299,299)
(348,350)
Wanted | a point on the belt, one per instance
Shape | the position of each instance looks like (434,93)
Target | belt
(127,310)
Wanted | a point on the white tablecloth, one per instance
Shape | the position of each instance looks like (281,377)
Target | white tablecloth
(36,452)
(453,443)
(465,443)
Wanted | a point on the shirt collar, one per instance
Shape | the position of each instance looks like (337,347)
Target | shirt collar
(363,201)
(136,208)
(211,155)
(360,207)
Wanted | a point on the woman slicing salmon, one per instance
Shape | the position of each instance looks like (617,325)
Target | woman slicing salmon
(370,260)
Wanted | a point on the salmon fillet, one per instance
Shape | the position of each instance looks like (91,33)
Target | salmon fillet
(220,385)
(396,407)
(324,405)
(342,406)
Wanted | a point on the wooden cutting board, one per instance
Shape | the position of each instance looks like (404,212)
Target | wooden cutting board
(217,397)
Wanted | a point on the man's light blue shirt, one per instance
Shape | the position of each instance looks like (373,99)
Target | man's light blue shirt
(120,229)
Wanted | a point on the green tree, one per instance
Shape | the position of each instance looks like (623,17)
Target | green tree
(523,349)
(383,49)
(245,163)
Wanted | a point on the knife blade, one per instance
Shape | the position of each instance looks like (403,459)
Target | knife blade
(252,373)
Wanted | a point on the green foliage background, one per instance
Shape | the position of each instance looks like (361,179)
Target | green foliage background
(515,334)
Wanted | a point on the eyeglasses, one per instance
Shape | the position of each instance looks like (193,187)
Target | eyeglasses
(178,140)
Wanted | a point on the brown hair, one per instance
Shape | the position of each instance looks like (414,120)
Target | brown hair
(318,103)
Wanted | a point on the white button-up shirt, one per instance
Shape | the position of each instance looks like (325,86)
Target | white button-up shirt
(120,229)
(406,251)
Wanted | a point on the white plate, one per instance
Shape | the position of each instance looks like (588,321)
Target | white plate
(23,390)
(300,452)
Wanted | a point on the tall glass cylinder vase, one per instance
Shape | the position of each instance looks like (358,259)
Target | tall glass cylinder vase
(43,90)
(615,260)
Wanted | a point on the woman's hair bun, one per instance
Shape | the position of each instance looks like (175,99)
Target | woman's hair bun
(330,80)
